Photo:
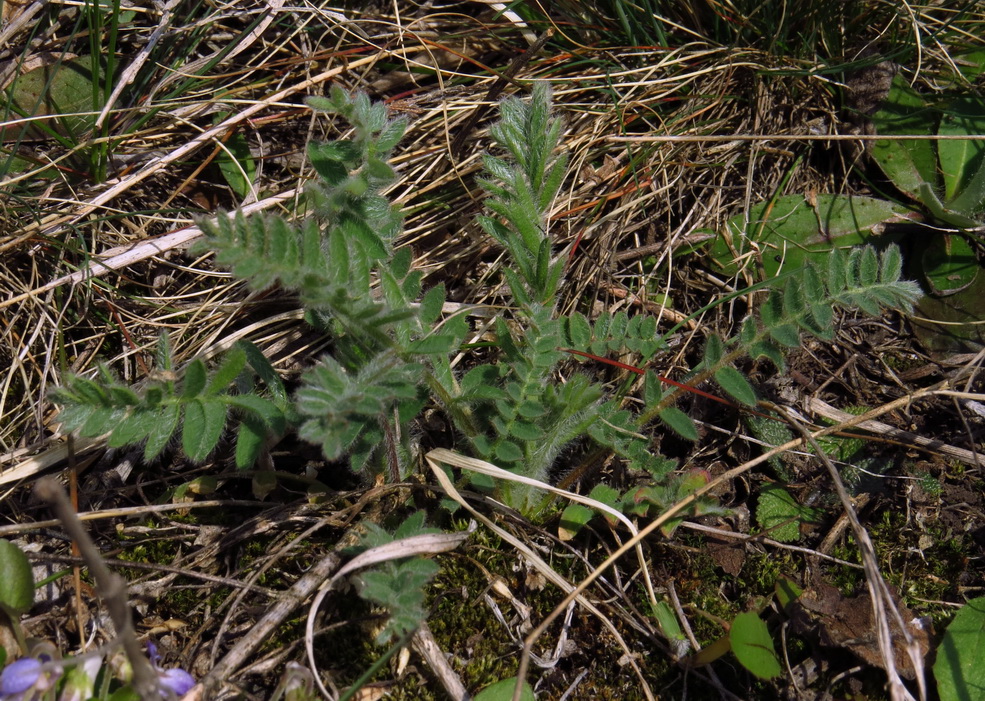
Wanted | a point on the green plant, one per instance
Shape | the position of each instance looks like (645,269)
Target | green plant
(944,177)
(749,639)
(397,585)
(959,671)
(390,350)
(35,668)
(16,590)
(780,515)
(389,354)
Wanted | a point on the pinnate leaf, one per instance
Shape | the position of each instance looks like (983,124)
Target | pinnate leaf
(164,427)
(204,421)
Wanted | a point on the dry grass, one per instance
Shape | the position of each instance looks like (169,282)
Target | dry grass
(632,207)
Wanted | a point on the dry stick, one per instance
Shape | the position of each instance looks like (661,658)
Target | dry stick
(428,648)
(879,593)
(112,587)
(130,512)
(932,444)
(292,599)
(940,390)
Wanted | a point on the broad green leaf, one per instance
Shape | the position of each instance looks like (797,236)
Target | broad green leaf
(667,620)
(910,164)
(123,396)
(652,388)
(679,422)
(57,87)
(264,409)
(379,170)
(961,159)
(227,372)
(891,264)
(767,349)
(950,264)
(390,135)
(714,350)
(262,367)
(753,646)
(786,334)
(617,330)
(102,420)
(479,376)
(868,267)
(331,169)
(431,304)
(164,427)
(204,421)
(947,215)
(737,386)
(249,440)
(503,691)
(133,428)
(787,592)
(837,271)
(17,580)
(970,62)
(526,431)
(579,331)
(90,392)
(960,665)
(531,410)
(509,452)
(793,230)
(74,416)
(435,344)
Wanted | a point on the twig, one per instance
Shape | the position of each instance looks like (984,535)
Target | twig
(112,587)
(427,647)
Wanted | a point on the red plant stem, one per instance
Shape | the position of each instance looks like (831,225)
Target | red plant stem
(666,380)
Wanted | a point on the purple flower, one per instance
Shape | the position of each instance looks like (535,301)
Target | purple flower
(175,682)
(26,679)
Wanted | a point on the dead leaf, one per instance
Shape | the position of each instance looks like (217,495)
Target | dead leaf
(848,623)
